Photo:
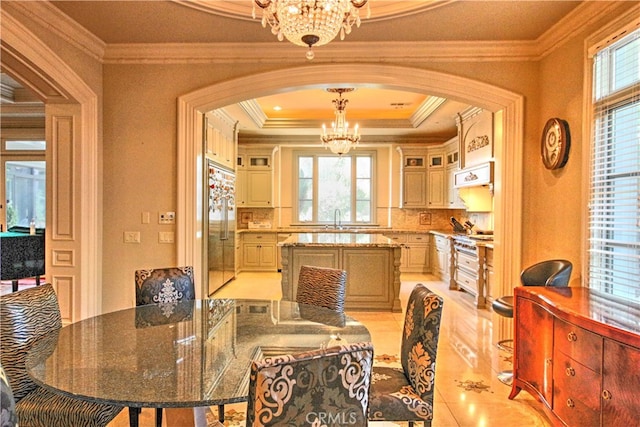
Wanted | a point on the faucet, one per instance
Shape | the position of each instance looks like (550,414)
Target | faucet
(337,219)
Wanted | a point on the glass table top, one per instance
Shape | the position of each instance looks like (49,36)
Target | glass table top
(192,353)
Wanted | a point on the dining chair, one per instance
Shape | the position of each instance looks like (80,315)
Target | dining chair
(27,318)
(322,286)
(165,287)
(406,394)
(8,417)
(327,386)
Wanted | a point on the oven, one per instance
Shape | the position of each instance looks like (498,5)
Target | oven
(469,260)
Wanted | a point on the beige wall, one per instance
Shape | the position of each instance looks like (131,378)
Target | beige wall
(139,149)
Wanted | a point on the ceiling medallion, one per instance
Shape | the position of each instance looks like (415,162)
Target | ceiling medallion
(339,140)
(310,22)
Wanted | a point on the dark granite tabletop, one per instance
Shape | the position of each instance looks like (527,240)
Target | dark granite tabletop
(195,353)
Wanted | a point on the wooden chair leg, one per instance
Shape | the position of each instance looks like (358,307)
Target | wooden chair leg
(158,417)
(221,413)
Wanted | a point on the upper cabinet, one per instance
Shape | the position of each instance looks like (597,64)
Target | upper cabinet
(220,138)
(414,178)
(254,186)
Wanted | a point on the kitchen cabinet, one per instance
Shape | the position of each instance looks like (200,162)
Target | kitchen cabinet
(578,353)
(436,177)
(452,195)
(259,251)
(414,178)
(488,274)
(415,254)
(220,140)
(254,181)
(441,263)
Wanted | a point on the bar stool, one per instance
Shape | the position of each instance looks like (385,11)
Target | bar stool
(554,272)
(504,307)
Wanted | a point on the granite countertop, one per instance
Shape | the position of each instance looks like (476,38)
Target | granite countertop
(340,239)
(322,230)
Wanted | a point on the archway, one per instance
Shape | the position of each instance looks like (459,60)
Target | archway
(73,236)
(508,152)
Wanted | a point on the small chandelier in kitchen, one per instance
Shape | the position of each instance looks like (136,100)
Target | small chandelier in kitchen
(339,140)
(310,22)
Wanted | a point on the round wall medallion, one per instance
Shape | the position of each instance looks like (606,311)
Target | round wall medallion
(556,141)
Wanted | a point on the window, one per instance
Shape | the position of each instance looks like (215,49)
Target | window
(614,208)
(23,185)
(335,189)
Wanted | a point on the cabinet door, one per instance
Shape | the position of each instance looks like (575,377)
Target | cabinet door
(250,255)
(268,256)
(259,188)
(533,359)
(241,188)
(620,384)
(415,189)
(436,189)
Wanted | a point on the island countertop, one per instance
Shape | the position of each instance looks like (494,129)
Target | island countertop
(340,239)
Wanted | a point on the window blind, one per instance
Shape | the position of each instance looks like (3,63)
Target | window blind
(614,208)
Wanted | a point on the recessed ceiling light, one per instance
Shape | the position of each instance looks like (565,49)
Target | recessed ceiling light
(277,108)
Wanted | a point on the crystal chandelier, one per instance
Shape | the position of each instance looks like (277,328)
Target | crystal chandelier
(310,22)
(339,140)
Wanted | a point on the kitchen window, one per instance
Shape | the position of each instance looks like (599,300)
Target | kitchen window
(614,205)
(334,190)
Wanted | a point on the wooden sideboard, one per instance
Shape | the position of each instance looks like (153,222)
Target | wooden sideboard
(579,354)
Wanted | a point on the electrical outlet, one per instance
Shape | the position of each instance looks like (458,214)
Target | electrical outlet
(167,218)
(132,237)
(146,217)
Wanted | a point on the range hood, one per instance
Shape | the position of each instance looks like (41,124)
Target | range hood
(474,176)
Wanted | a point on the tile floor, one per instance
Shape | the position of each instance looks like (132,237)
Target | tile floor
(467,390)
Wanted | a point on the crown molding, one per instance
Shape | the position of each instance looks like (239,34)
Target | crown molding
(428,107)
(276,52)
(255,113)
(51,18)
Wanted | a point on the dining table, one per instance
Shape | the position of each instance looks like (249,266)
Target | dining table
(187,354)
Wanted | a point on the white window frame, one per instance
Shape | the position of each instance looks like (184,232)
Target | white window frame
(605,38)
(323,153)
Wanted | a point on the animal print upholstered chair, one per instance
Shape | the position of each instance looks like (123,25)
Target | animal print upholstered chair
(407,394)
(321,286)
(8,417)
(28,317)
(328,387)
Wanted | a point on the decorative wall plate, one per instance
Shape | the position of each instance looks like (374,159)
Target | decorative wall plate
(556,141)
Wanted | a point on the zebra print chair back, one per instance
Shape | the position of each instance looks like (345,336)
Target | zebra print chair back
(322,287)
(8,417)
(328,387)
(27,318)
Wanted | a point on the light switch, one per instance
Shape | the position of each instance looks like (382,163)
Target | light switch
(132,237)
(146,217)
(165,237)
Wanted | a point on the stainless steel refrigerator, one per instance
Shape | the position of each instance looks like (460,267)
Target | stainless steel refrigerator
(221,225)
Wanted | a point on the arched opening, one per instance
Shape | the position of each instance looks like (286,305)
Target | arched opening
(73,227)
(508,153)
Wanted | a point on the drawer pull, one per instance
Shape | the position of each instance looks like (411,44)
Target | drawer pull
(606,395)
(572,337)
(570,372)
(570,403)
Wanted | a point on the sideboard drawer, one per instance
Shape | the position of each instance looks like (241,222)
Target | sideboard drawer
(579,344)
(572,380)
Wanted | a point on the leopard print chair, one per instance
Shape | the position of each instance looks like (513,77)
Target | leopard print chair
(407,394)
(164,287)
(30,317)
(324,387)
(321,286)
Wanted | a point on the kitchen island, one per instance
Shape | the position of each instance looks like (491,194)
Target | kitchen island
(372,263)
